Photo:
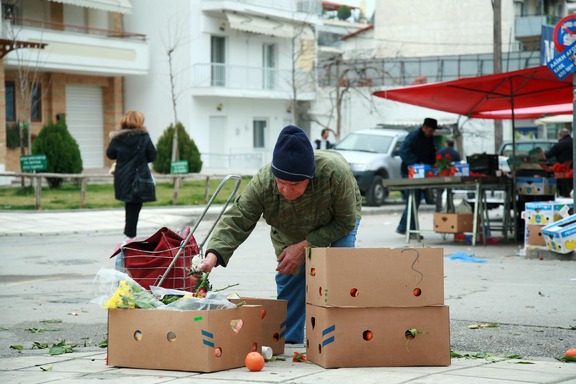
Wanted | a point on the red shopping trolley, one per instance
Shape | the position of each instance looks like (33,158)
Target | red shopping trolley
(164,258)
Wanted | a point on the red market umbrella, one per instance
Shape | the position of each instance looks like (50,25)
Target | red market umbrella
(525,88)
(474,96)
(528,113)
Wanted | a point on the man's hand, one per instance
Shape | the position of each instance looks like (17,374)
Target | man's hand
(292,258)
(208,263)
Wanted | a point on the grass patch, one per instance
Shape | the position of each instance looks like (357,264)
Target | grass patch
(101,196)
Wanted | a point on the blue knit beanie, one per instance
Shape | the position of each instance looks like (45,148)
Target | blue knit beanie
(293,158)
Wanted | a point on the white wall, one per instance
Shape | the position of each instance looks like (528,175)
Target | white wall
(411,28)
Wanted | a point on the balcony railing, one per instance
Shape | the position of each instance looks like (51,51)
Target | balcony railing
(41,24)
(313,7)
(251,78)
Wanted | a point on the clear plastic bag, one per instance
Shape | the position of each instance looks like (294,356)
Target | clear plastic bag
(115,289)
(213,300)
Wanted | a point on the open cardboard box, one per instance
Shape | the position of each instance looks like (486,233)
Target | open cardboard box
(273,321)
(376,337)
(375,277)
(560,236)
(198,341)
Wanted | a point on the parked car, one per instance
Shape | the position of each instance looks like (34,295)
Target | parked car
(523,147)
(373,155)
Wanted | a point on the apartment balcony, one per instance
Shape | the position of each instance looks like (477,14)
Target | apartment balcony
(297,10)
(213,79)
(76,49)
(530,27)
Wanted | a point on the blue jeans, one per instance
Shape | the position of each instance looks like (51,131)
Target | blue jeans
(293,289)
(404,219)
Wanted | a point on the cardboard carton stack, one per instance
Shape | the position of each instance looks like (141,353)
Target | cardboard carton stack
(538,215)
(369,307)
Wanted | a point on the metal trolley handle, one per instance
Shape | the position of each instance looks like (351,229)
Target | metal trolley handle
(184,242)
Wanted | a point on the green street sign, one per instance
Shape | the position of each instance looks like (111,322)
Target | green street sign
(179,167)
(33,163)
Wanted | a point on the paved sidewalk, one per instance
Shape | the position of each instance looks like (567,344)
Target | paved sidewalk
(89,365)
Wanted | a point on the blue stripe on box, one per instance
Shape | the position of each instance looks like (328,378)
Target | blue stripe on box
(207,334)
(208,343)
(282,333)
(328,341)
(328,330)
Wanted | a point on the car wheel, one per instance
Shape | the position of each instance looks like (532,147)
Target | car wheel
(376,194)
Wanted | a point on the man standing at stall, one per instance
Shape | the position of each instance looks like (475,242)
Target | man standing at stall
(417,148)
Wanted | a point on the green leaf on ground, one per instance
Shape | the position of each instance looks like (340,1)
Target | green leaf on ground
(45,369)
(52,321)
(37,345)
(38,330)
(103,343)
(484,325)
(61,348)
(17,347)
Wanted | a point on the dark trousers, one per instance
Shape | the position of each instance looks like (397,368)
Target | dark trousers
(132,213)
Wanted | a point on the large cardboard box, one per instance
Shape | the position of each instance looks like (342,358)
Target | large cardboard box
(561,235)
(536,186)
(198,341)
(375,277)
(534,235)
(273,321)
(376,337)
(454,222)
(546,212)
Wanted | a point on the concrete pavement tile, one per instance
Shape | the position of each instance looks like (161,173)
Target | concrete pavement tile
(543,366)
(22,362)
(370,375)
(75,365)
(39,377)
(511,374)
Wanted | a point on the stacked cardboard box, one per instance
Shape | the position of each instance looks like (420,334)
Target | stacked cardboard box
(539,214)
(368,307)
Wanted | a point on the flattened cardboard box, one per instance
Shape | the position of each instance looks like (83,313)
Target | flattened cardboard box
(375,277)
(273,321)
(560,236)
(376,337)
(197,341)
(454,222)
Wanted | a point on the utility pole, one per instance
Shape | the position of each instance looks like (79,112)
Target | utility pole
(497,12)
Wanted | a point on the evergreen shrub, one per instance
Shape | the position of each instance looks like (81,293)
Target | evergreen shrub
(187,150)
(61,150)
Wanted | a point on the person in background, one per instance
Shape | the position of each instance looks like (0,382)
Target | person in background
(309,199)
(456,158)
(562,150)
(417,148)
(132,149)
(323,142)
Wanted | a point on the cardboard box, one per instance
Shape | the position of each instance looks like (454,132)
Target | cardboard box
(375,277)
(560,236)
(198,341)
(535,236)
(454,222)
(536,186)
(546,212)
(462,169)
(376,337)
(273,321)
(420,171)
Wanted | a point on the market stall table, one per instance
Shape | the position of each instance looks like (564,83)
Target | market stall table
(479,184)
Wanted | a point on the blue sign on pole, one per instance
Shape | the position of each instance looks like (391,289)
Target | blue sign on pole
(564,36)
(563,64)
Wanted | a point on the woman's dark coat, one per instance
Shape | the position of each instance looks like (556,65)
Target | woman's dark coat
(133,150)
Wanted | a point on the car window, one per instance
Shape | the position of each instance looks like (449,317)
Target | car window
(365,143)
(396,150)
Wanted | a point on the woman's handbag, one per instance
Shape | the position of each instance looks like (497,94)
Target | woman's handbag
(143,186)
